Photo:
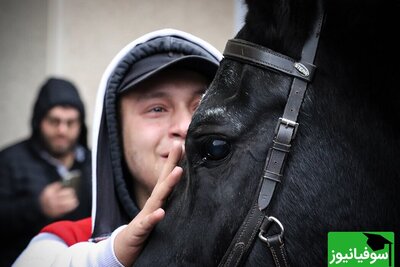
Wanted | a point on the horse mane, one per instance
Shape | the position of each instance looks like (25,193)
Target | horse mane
(284,25)
(360,32)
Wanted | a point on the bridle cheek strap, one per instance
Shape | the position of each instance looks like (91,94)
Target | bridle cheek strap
(302,72)
(287,125)
(243,239)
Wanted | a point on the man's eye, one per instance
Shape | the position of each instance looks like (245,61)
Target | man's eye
(54,121)
(157,109)
(195,106)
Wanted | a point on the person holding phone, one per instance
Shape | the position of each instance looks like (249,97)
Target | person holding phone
(39,176)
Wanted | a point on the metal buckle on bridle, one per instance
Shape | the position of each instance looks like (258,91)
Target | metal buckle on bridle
(264,228)
(287,123)
(274,242)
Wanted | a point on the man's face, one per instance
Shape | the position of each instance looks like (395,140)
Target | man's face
(155,115)
(60,130)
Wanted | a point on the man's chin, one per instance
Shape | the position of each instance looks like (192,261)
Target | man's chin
(60,151)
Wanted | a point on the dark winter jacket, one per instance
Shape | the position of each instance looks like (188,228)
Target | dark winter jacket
(25,171)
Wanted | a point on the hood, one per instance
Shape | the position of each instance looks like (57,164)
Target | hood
(113,204)
(55,92)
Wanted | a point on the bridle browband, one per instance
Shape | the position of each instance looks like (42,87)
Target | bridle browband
(256,221)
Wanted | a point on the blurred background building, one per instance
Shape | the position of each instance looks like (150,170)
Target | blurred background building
(76,40)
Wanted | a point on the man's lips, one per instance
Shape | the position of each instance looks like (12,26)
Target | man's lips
(60,139)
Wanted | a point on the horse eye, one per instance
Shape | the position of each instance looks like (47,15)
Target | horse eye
(215,149)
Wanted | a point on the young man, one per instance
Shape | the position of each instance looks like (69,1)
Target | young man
(34,172)
(145,103)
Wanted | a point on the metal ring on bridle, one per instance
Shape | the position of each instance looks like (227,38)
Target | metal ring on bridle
(275,220)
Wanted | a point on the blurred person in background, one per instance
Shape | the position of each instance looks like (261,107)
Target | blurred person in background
(48,176)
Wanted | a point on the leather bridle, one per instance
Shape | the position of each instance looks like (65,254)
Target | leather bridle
(257,223)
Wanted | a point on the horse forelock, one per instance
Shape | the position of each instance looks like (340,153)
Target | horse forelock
(281,25)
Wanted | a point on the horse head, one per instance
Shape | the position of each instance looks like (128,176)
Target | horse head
(341,173)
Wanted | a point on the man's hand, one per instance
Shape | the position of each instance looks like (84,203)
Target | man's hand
(129,242)
(57,200)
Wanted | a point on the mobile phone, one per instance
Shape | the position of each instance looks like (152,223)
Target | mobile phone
(72,179)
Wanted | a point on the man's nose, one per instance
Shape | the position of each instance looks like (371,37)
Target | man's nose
(180,123)
(62,127)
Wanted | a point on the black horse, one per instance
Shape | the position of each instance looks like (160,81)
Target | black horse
(341,173)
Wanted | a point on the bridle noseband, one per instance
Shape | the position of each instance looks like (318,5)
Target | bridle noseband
(256,221)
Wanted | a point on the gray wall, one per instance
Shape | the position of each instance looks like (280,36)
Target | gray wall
(76,39)
(22,66)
